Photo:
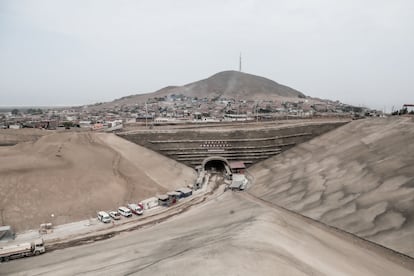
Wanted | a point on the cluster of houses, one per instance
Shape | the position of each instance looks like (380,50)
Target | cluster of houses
(180,108)
(172,109)
(56,118)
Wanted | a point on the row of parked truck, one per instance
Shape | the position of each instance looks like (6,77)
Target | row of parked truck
(36,247)
(166,200)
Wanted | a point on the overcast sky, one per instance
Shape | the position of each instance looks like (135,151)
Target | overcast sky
(82,52)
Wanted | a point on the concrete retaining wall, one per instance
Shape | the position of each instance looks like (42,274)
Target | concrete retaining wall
(250,145)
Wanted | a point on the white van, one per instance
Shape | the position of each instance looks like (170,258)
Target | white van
(104,217)
(124,211)
(137,210)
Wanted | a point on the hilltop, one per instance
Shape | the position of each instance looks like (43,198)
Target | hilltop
(226,84)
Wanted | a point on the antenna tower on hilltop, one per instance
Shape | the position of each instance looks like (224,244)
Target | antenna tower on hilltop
(240,63)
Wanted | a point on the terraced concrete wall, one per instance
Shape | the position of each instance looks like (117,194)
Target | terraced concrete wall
(191,147)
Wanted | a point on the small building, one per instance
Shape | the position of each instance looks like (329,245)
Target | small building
(15,126)
(163,200)
(150,203)
(237,167)
(173,197)
(239,182)
(46,228)
(97,126)
(6,233)
(184,192)
(85,124)
(169,199)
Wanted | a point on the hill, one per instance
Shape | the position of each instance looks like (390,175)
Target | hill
(227,84)
(73,175)
(359,178)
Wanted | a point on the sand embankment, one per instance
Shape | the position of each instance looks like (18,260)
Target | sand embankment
(10,137)
(64,177)
(359,178)
(232,234)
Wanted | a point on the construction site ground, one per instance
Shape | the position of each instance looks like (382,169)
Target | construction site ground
(64,177)
(231,233)
(86,231)
(284,224)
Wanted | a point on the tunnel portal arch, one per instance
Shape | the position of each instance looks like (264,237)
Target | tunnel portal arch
(218,163)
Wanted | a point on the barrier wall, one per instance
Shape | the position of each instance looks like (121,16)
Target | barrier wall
(192,146)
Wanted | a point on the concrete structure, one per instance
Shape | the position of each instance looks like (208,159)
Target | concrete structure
(6,233)
(217,163)
(249,144)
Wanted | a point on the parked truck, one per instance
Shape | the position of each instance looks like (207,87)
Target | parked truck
(9,252)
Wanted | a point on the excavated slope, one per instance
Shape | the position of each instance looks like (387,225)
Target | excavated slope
(359,178)
(73,175)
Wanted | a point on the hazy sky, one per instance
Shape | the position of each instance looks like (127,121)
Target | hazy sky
(81,52)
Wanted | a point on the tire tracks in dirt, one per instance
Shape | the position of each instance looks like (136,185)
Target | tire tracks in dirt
(120,175)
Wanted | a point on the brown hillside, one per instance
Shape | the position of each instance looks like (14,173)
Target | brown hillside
(74,175)
(233,84)
(227,84)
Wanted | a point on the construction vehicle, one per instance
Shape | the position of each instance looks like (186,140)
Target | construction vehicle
(9,252)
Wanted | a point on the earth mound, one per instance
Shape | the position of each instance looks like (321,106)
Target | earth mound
(65,177)
(359,178)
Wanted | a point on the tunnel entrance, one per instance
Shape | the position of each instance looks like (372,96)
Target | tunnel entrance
(216,164)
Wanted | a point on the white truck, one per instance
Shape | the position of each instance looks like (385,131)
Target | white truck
(15,251)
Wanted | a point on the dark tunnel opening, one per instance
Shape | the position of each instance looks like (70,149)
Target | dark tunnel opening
(215,166)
